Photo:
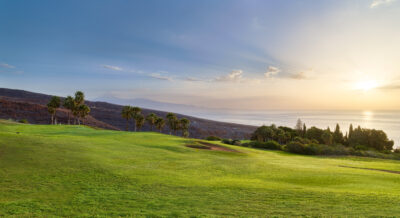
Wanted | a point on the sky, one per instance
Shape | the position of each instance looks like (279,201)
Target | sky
(247,55)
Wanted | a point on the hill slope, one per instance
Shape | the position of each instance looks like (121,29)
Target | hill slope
(106,115)
(76,170)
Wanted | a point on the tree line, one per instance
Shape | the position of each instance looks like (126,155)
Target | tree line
(75,106)
(78,111)
(175,124)
(356,138)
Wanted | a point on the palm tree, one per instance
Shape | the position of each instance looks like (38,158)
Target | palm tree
(139,121)
(160,122)
(135,111)
(84,110)
(171,118)
(69,105)
(78,101)
(51,111)
(127,115)
(184,123)
(151,119)
(52,106)
(176,126)
(185,134)
(79,98)
(75,113)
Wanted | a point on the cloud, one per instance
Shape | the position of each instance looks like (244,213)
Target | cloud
(191,79)
(5,65)
(376,3)
(160,77)
(116,68)
(234,76)
(388,87)
(275,72)
(272,71)
(9,69)
(299,76)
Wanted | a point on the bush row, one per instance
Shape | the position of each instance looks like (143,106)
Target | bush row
(312,148)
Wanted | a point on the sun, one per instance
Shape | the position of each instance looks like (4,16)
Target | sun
(366,85)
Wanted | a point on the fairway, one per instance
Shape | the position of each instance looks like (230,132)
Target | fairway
(80,171)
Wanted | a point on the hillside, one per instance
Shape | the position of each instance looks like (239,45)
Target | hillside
(19,104)
(74,171)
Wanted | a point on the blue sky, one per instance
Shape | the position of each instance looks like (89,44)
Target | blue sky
(238,54)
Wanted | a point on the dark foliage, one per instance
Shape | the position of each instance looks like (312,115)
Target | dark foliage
(282,135)
(295,147)
(213,138)
(270,145)
(316,141)
(231,142)
(371,138)
(23,121)
(315,133)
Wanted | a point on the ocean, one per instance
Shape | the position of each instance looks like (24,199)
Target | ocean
(388,121)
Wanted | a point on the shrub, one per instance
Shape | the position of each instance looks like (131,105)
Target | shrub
(213,138)
(336,150)
(226,141)
(319,149)
(360,147)
(322,149)
(312,149)
(271,145)
(236,142)
(23,121)
(231,142)
(295,147)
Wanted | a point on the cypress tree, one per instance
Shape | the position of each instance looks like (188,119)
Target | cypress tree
(350,131)
(338,135)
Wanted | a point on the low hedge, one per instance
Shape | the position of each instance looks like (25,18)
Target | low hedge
(270,145)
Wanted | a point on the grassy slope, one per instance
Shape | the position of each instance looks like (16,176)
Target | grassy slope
(71,170)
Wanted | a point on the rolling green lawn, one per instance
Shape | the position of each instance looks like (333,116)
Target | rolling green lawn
(79,171)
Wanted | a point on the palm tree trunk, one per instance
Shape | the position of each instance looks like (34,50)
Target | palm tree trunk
(127,125)
(52,119)
(69,118)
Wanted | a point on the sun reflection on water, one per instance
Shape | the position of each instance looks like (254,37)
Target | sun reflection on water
(367,117)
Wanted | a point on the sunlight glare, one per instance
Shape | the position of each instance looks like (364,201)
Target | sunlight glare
(366,85)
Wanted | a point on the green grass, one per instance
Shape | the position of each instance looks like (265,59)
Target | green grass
(79,171)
